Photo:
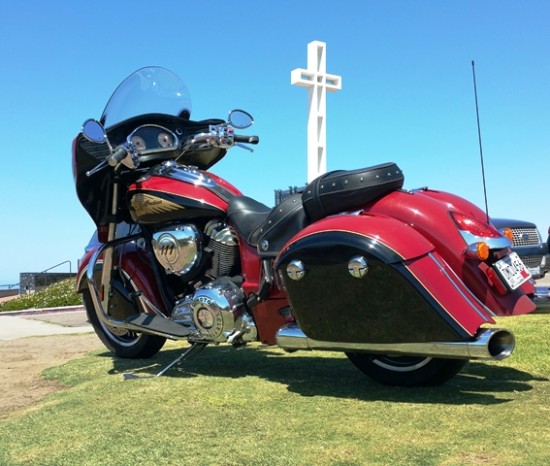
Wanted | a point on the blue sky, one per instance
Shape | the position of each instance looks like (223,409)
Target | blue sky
(407,97)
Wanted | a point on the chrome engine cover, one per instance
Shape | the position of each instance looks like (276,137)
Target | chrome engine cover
(217,312)
(178,248)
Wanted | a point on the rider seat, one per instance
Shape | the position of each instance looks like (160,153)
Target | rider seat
(246,214)
(349,190)
(334,192)
(266,228)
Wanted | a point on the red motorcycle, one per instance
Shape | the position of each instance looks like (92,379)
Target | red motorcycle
(405,282)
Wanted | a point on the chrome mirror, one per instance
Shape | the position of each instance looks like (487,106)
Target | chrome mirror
(93,131)
(240,119)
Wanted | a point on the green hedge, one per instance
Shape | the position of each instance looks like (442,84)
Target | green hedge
(57,295)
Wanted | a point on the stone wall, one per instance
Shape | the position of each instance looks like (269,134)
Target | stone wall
(32,281)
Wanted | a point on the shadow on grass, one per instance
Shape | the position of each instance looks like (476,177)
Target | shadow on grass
(334,376)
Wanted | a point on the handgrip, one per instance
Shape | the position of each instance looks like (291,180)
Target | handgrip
(247,139)
(118,155)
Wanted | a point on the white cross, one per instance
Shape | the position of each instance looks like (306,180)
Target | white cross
(316,79)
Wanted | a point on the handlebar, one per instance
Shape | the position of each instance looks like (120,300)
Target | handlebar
(118,155)
(220,135)
(113,160)
(247,139)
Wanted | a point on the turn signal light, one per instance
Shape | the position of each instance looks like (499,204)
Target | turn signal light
(479,251)
(482,250)
(509,234)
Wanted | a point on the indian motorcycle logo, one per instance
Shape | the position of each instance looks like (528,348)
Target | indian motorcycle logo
(146,204)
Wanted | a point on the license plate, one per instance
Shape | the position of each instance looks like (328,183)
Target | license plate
(512,270)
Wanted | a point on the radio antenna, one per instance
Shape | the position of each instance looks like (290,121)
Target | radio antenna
(480,145)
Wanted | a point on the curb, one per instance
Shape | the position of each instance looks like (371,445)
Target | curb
(45,310)
(43,322)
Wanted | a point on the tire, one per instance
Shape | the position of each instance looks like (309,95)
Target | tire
(406,371)
(123,343)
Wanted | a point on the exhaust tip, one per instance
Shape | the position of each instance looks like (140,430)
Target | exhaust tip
(501,344)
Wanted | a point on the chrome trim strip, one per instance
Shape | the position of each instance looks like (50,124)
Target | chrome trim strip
(467,298)
(493,243)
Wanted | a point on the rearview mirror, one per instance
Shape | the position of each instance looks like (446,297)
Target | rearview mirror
(93,131)
(240,119)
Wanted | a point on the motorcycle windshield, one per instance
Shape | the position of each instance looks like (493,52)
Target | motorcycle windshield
(147,90)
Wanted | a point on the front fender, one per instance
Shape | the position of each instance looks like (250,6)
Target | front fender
(135,264)
(81,284)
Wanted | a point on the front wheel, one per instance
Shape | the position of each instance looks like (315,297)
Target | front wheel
(406,371)
(123,343)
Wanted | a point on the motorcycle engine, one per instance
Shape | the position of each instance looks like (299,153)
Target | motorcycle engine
(180,249)
(217,313)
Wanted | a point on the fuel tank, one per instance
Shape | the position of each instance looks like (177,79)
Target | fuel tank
(171,191)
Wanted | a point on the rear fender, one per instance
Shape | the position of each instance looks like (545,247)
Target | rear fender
(407,294)
(428,211)
(386,238)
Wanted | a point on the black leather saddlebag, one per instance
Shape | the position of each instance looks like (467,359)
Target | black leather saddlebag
(341,191)
(284,221)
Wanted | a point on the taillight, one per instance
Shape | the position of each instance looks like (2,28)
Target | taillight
(474,227)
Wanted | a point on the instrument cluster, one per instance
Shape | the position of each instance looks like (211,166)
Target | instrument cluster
(148,139)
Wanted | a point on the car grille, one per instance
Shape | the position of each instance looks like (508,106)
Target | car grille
(526,237)
(532,261)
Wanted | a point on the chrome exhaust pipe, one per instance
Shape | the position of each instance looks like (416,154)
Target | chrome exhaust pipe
(493,343)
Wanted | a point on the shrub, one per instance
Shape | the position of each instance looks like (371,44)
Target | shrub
(57,295)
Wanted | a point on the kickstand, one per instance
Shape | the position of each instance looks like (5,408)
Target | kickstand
(195,348)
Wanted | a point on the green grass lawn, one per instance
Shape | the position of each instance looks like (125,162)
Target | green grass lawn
(261,406)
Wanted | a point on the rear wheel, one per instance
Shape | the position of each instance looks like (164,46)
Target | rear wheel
(407,371)
(123,343)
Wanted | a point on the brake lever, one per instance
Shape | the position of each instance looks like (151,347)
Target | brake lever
(124,154)
(242,146)
(97,168)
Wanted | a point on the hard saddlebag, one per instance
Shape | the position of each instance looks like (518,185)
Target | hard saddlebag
(344,191)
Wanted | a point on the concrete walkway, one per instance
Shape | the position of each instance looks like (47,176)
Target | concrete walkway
(41,322)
